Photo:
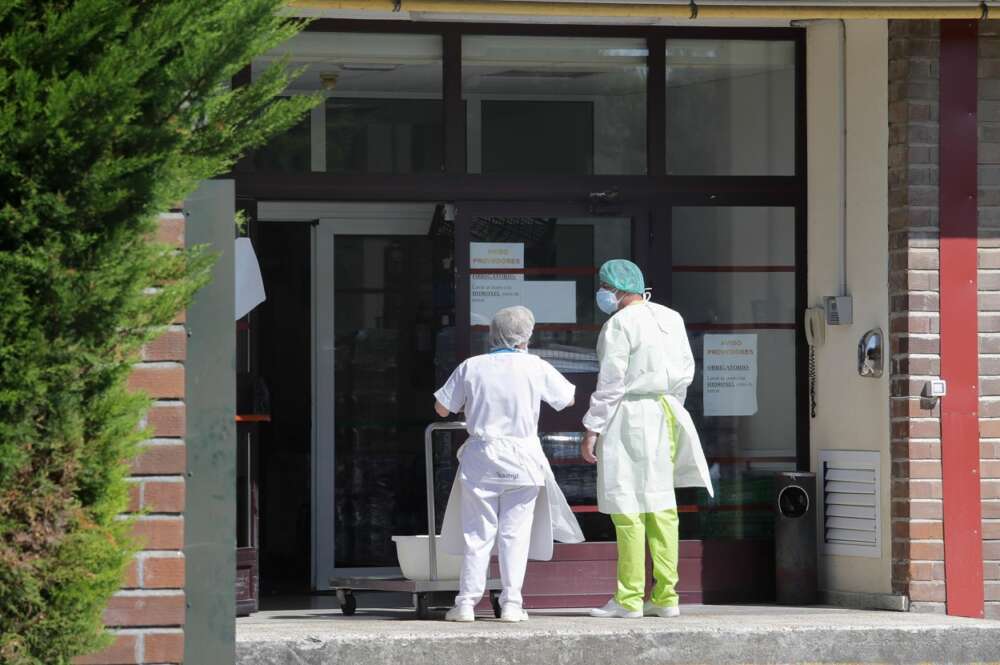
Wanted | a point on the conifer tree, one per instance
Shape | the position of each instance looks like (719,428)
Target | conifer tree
(110,111)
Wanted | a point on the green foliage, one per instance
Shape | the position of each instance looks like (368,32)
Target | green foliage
(110,111)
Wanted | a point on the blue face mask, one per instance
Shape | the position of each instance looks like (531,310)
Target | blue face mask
(607,301)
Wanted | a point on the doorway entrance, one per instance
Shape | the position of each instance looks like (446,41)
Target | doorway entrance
(365,291)
(733,274)
(402,294)
(399,294)
(383,309)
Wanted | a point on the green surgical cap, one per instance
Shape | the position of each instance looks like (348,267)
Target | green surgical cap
(623,275)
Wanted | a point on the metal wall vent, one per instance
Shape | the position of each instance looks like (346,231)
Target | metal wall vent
(851,502)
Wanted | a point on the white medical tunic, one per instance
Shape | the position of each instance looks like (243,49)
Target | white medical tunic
(501,394)
(644,356)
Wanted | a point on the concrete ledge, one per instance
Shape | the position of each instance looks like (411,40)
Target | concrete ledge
(866,601)
(703,634)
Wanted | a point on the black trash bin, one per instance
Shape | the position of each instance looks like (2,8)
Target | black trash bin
(795,538)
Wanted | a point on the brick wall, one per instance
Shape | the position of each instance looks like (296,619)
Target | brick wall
(917,530)
(918,548)
(989,306)
(147,615)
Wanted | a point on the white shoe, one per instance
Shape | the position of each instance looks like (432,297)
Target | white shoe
(512,613)
(613,610)
(463,613)
(665,611)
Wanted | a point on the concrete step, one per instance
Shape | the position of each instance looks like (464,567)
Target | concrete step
(702,634)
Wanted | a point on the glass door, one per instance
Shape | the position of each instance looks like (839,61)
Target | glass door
(384,285)
(735,280)
(546,257)
(733,273)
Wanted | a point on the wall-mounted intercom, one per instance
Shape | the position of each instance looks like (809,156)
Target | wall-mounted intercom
(839,310)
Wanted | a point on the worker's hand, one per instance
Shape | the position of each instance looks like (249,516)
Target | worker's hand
(587,447)
(441,409)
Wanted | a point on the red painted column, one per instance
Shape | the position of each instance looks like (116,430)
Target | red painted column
(963,545)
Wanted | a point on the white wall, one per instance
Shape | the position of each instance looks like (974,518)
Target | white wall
(852,412)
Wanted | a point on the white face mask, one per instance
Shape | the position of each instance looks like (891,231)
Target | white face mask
(607,301)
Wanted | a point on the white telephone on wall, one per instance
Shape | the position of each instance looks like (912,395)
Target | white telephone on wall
(815,329)
(815,325)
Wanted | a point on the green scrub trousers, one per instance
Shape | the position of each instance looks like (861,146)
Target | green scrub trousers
(660,530)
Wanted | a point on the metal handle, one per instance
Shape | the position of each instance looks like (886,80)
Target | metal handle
(431,510)
(870,354)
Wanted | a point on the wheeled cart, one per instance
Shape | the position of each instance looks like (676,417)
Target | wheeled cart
(426,593)
(431,591)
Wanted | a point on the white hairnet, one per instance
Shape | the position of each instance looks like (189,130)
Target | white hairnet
(511,327)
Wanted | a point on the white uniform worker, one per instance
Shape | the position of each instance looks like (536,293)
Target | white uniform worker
(648,444)
(503,471)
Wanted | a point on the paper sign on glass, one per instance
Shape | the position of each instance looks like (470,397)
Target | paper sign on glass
(490,292)
(549,301)
(730,375)
(489,295)
(496,255)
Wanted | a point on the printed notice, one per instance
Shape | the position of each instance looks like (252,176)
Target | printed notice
(549,301)
(730,375)
(492,291)
(496,255)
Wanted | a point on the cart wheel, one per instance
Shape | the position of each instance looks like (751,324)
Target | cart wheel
(423,610)
(349,605)
(495,602)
